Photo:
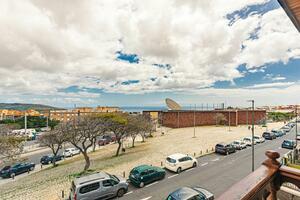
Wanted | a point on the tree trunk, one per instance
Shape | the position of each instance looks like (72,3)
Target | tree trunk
(94,145)
(133,139)
(143,137)
(119,147)
(87,160)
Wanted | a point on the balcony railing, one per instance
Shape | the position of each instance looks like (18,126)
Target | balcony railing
(265,182)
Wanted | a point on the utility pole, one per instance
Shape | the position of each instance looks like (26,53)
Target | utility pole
(25,123)
(194,122)
(296,124)
(229,121)
(252,146)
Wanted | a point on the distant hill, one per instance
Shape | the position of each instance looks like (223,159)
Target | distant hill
(22,106)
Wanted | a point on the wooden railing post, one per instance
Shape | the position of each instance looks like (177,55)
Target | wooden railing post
(273,166)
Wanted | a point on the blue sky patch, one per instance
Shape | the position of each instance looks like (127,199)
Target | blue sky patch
(259,9)
(131,58)
(165,66)
(129,82)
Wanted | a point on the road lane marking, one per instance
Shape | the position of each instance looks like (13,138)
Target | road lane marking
(215,159)
(189,169)
(173,176)
(279,148)
(129,193)
(204,164)
(152,184)
(147,198)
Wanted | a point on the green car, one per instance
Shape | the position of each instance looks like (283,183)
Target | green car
(145,174)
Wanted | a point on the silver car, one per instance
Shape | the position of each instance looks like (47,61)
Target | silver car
(100,185)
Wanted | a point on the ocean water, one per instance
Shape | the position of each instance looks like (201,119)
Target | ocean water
(142,108)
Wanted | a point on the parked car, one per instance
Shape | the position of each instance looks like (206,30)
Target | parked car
(238,144)
(103,142)
(259,139)
(269,135)
(178,162)
(100,185)
(278,133)
(223,148)
(145,174)
(288,144)
(50,158)
(69,152)
(286,129)
(191,193)
(19,168)
(248,141)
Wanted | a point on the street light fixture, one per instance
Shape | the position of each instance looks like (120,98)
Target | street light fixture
(252,146)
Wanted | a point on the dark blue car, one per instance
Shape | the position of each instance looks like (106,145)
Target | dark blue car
(19,168)
(288,144)
(50,159)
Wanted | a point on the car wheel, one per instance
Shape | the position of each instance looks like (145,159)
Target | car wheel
(12,175)
(120,192)
(49,162)
(194,164)
(178,170)
(142,184)
(31,168)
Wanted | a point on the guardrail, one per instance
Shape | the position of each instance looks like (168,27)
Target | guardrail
(264,182)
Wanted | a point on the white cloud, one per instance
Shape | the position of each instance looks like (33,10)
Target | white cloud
(271,85)
(49,45)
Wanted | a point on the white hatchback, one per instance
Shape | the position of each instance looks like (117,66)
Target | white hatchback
(248,141)
(178,162)
(69,152)
(259,139)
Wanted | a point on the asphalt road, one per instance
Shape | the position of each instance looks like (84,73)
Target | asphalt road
(214,172)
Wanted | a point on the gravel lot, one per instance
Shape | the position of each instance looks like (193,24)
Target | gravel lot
(49,183)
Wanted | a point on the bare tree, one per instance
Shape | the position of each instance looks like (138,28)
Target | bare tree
(117,124)
(54,140)
(220,119)
(11,146)
(133,127)
(82,134)
(146,126)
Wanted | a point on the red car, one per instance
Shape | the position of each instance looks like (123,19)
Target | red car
(103,142)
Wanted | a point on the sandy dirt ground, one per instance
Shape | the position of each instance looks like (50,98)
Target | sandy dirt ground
(49,183)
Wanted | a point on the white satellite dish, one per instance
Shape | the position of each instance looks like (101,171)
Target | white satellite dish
(172,105)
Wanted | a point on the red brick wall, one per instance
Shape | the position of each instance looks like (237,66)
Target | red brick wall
(258,116)
(181,119)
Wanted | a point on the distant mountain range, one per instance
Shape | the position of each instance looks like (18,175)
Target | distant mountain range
(24,106)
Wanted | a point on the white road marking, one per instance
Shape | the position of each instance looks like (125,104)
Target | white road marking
(189,169)
(173,176)
(128,193)
(215,159)
(204,164)
(279,148)
(147,198)
(152,184)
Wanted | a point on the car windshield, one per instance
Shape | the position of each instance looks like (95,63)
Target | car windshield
(220,145)
(247,139)
(67,150)
(114,177)
(236,142)
(171,160)
(170,198)
(6,168)
(134,172)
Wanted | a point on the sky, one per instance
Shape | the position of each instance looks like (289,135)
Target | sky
(137,53)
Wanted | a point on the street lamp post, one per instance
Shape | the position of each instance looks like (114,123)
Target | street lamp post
(194,122)
(296,124)
(252,146)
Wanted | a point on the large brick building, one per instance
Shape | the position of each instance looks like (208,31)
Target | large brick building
(68,115)
(187,118)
